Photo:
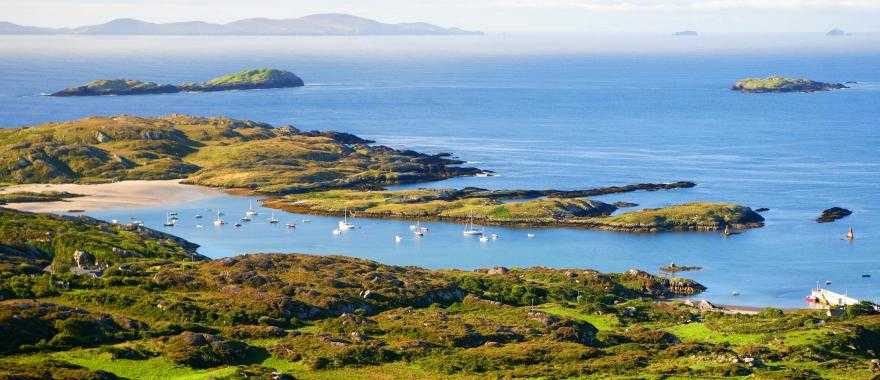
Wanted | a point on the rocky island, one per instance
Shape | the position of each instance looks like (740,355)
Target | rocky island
(243,80)
(782,84)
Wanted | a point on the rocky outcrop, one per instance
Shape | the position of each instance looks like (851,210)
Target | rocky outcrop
(662,287)
(833,214)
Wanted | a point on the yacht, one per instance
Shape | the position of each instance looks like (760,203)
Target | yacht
(418,229)
(219,221)
(484,238)
(169,220)
(471,230)
(530,236)
(344,224)
(250,212)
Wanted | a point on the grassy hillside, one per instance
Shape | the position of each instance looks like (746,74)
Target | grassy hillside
(316,317)
(208,151)
(436,204)
(29,242)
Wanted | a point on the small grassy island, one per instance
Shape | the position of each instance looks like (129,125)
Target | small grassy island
(242,80)
(153,310)
(215,152)
(782,84)
(549,211)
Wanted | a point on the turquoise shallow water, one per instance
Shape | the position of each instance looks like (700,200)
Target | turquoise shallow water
(565,120)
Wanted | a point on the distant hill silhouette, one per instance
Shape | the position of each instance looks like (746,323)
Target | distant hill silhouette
(329,24)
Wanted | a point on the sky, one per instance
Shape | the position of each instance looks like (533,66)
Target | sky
(493,16)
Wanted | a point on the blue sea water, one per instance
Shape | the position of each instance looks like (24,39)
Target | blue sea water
(569,116)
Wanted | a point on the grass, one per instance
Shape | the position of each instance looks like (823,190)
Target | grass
(698,332)
(252,77)
(601,322)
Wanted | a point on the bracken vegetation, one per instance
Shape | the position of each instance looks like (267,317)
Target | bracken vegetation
(289,315)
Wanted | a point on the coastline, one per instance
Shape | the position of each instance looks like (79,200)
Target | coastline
(111,196)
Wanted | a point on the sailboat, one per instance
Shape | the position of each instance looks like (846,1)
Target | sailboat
(273,219)
(397,238)
(470,229)
(726,231)
(219,221)
(250,212)
(344,224)
(850,235)
(417,229)
(169,220)
(291,225)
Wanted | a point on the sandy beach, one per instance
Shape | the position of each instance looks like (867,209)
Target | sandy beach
(110,196)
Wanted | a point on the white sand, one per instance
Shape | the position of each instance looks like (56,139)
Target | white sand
(117,195)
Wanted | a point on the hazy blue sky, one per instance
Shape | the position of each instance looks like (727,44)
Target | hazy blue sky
(488,15)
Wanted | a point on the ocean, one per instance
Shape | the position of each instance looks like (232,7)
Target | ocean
(560,112)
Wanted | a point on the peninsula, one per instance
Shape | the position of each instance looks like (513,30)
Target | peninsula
(242,80)
(550,211)
(783,84)
(216,152)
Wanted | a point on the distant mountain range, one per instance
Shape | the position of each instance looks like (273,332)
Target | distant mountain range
(329,24)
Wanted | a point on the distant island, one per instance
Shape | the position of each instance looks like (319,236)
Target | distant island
(836,33)
(242,80)
(782,84)
(690,33)
(328,24)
